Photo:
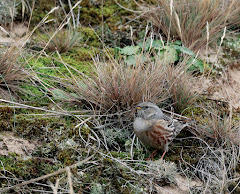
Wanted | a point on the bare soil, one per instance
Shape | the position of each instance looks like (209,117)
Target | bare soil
(15,34)
(10,144)
(225,87)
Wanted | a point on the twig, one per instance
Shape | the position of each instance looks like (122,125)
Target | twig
(82,122)
(180,116)
(71,11)
(127,8)
(69,180)
(37,108)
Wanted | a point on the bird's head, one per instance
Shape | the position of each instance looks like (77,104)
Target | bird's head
(148,110)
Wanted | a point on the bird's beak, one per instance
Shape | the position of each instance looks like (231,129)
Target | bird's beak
(137,107)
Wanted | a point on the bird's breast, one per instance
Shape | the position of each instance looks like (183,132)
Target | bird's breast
(141,125)
(143,130)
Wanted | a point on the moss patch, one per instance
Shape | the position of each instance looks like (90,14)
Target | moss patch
(6,115)
(25,169)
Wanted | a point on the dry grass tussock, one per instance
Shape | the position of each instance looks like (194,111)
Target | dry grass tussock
(113,86)
(11,69)
(182,94)
(60,39)
(221,128)
(216,168)
(195,22)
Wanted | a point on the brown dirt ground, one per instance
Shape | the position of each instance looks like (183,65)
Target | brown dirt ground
(17,35)
(181,187)
(10,144)
(225,88)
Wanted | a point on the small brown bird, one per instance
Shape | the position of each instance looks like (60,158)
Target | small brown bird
(154,128)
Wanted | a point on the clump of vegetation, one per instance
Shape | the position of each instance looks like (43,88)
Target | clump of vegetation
(182,94)
(61,40)
(163,172)
(113,86)
(221,127)
(195,23)
(11,70)
(8,11)
(6,115)
(89,36)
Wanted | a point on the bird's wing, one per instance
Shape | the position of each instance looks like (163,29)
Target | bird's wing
(170,126)
(164,125)
(178,125)
(164,133)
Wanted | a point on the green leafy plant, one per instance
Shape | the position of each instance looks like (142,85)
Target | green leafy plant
(169,53)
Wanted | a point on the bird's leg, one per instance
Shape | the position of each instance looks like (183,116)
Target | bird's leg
(152,155)
(163,155)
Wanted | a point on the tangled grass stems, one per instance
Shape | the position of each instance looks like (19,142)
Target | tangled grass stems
(220,128)
(63,41)
(188,23)
(12,73)
(217,168)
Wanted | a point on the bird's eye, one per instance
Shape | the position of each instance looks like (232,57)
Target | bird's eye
(146,107)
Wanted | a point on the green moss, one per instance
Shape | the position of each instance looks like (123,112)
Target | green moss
(6,115)
(89,36)
(30,128)
(85,132)
(41,8)
(112,13)
(25,169)
(46,66)
(81,55)
(51,70)
(67,156)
